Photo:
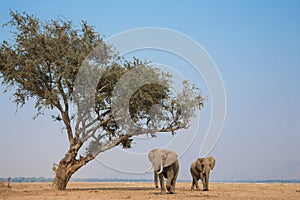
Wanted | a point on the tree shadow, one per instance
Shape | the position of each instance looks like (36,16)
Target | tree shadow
(111,188)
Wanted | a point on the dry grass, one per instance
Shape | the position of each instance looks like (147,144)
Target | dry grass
(132,190)
(2,185)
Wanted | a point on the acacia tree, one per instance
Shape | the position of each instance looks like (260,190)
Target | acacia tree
(43,62)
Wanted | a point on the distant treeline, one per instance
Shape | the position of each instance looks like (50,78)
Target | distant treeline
(27,179)
(43,179)
(264,181)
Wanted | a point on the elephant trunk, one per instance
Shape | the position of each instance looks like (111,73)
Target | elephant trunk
(156,178)
(205,180)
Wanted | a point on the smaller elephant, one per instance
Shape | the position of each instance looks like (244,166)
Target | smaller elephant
(200,169)
(165,164)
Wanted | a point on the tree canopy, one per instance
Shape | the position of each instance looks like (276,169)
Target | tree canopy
(43,61)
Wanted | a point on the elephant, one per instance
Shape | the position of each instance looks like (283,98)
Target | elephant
(165,164)
(200,169)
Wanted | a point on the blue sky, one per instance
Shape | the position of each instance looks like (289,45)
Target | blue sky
(256,46)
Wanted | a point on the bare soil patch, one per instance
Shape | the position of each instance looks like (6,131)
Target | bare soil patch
(144,191)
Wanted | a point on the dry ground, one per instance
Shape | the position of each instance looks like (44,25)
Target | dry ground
(133,190)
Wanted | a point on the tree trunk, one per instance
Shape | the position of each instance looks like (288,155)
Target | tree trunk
(62,176)
(68,166)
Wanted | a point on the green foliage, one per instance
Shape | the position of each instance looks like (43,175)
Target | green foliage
(44,58)
(43,61)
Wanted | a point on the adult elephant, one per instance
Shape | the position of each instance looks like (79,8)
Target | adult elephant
(200,170)
(165,164)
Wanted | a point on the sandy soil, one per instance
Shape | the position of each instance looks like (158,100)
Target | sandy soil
(145,191)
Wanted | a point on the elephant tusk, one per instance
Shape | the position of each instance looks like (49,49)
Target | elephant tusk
(148,170)
(161,169)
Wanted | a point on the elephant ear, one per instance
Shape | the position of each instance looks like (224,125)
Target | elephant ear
(169,158)
(199,164)
(212,162)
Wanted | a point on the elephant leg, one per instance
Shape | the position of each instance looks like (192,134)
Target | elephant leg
(174,181)
(162,185)
(170,174)
(195,183)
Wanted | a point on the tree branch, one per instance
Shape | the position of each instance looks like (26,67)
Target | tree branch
(64,111)
(66,121)
(92,131)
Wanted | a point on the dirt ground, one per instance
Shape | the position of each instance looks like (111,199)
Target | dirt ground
(134,190)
